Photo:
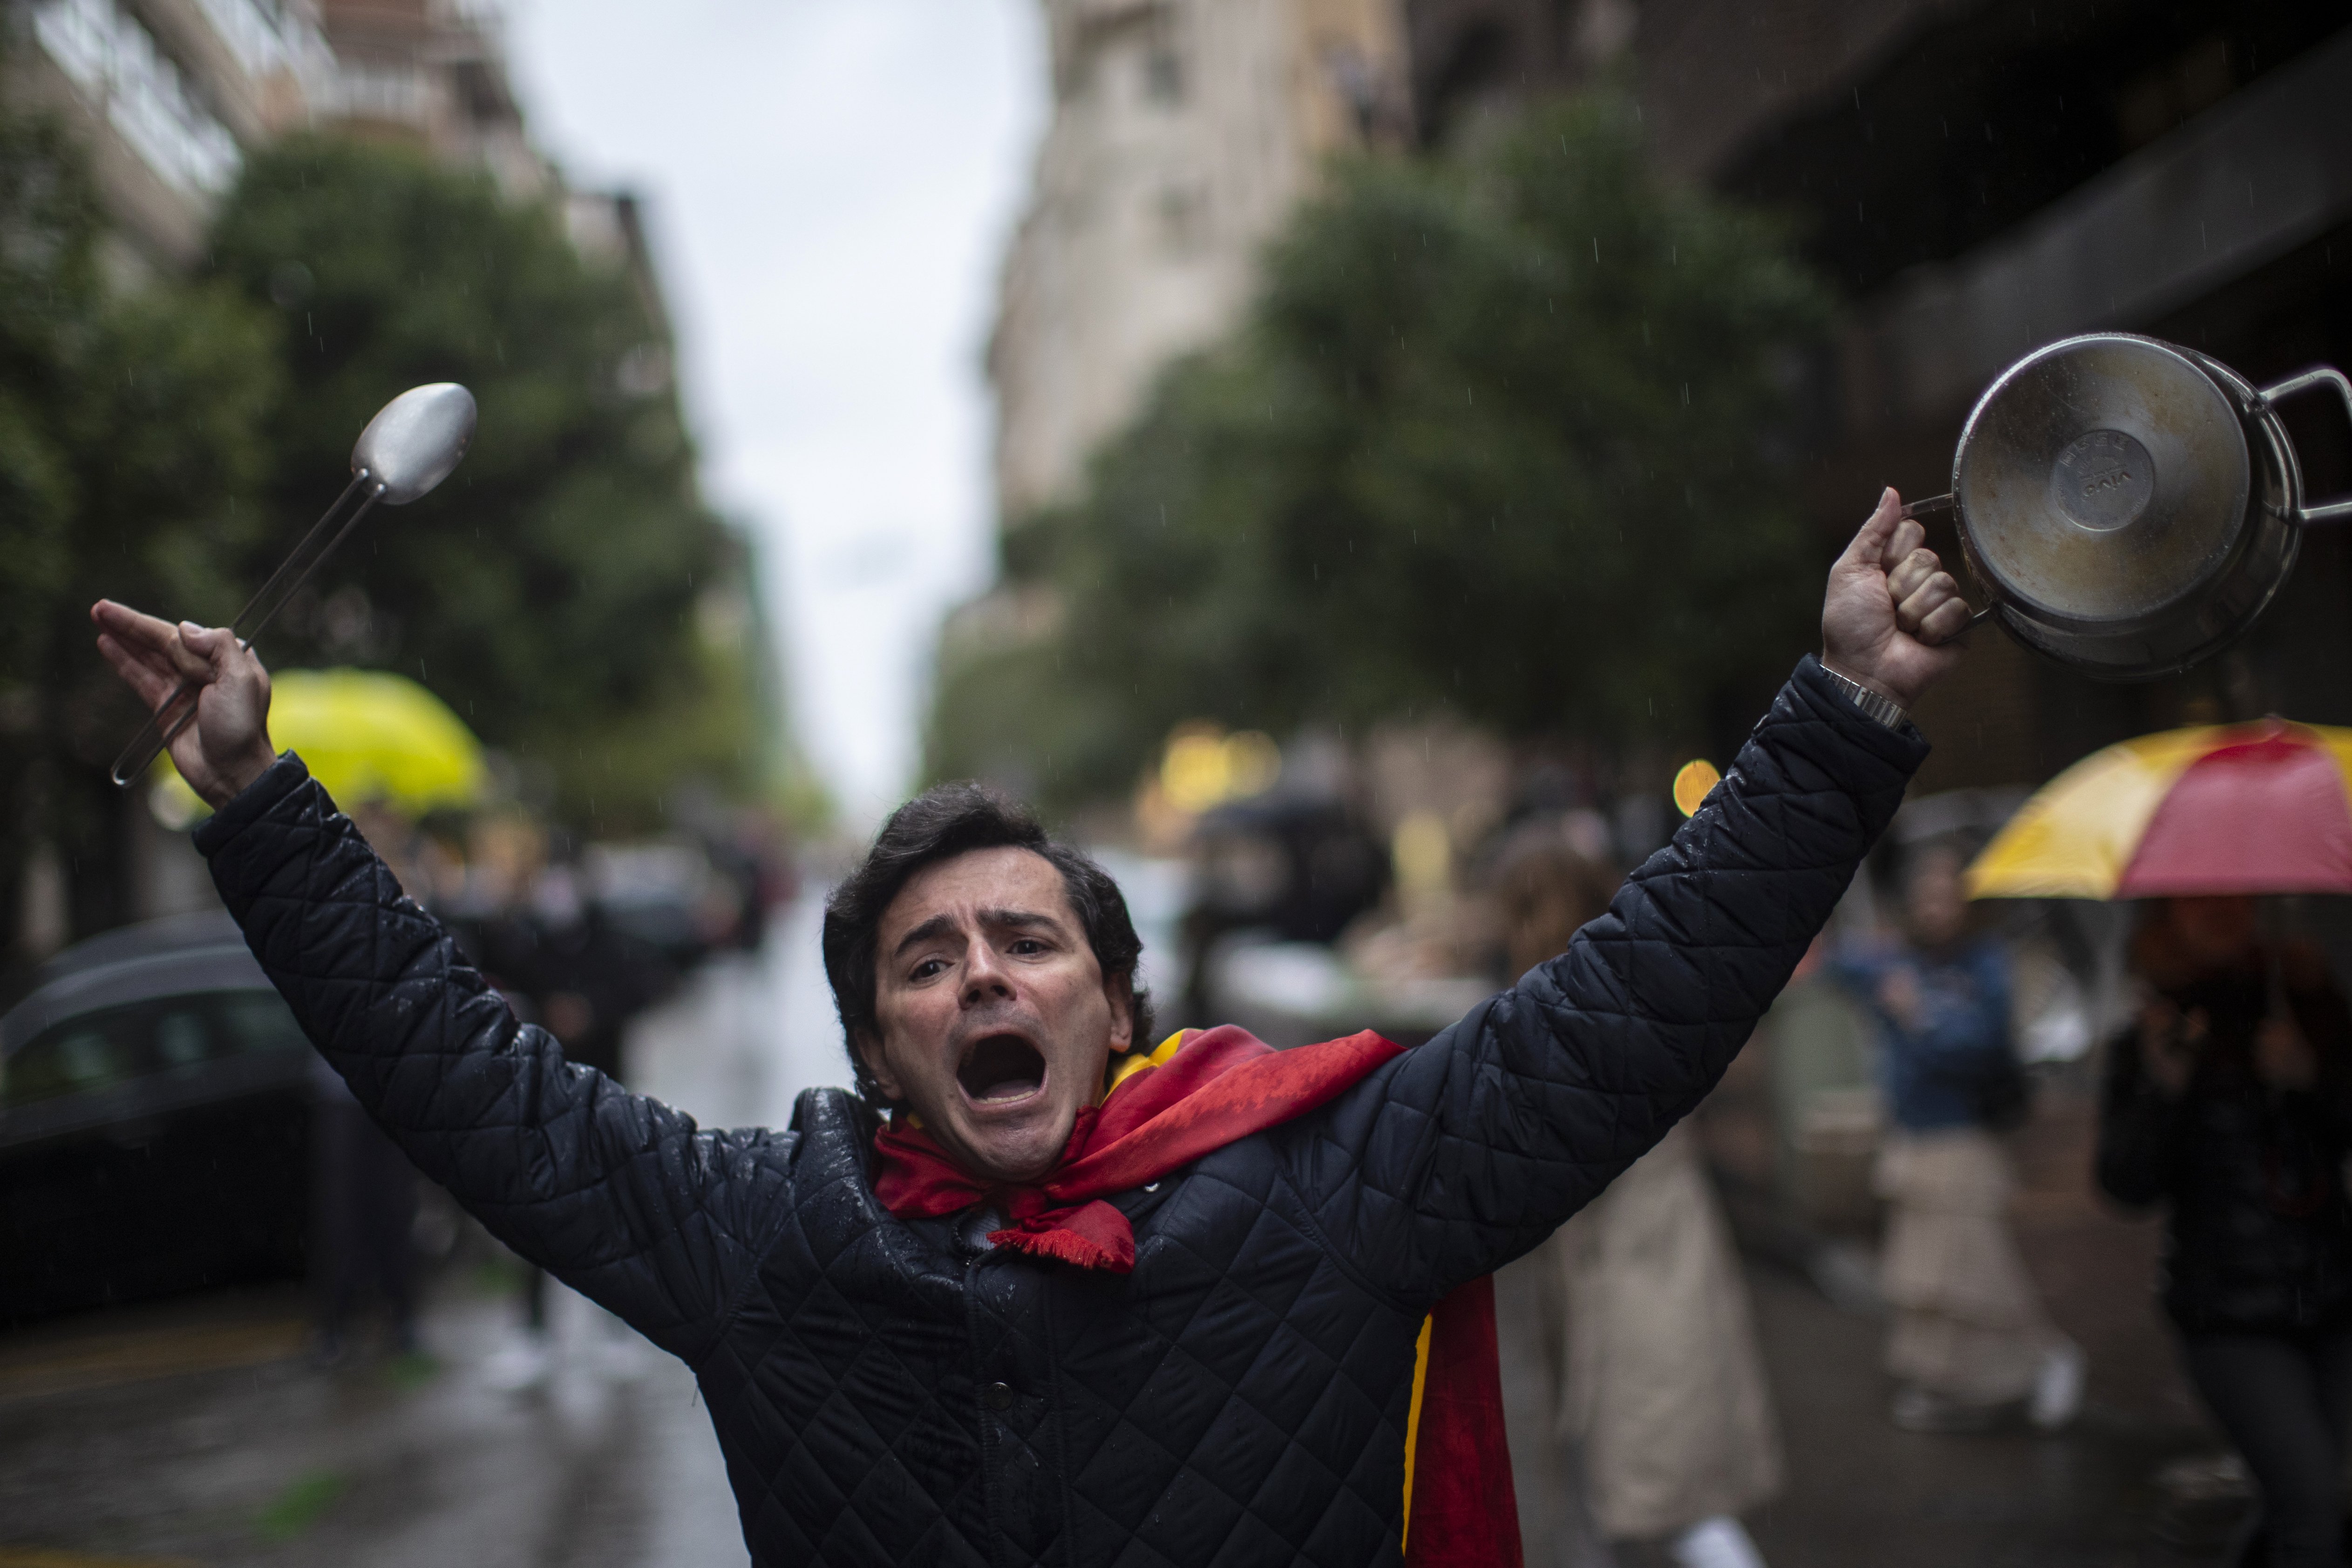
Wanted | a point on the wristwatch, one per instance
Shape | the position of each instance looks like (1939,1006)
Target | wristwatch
(1879,706)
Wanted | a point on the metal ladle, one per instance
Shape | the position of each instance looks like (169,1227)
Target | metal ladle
(406,449)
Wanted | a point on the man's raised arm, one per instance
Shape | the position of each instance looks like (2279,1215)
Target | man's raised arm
(1466,1152)
(617,1195)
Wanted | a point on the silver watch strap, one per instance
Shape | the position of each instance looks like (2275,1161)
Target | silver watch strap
(1883,708)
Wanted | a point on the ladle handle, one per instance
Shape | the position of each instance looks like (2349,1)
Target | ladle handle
(2317,376)
(164,724)
(172,715)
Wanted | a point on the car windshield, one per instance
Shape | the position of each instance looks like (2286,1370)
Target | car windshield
(97,1050)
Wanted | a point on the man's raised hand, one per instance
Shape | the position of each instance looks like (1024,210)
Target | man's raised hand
(1892,612)
(227,746)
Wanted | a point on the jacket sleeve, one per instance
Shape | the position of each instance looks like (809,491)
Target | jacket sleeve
(616,1195)
(1462,1152)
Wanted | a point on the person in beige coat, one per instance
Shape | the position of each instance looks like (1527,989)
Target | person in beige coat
(1662,1387)
(1968,1341)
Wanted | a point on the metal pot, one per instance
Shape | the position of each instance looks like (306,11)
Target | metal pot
(2130,506)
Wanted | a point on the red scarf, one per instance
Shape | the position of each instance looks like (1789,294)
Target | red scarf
(1197,1094)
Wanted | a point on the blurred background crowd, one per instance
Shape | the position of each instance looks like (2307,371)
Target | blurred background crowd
(1420,428)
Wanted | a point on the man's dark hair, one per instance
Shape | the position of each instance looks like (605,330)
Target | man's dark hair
(940,824)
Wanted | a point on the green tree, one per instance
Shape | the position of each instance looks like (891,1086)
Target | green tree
(129,468)
(1499,436)
(550,591)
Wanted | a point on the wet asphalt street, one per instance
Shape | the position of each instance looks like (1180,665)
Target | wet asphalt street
(197,1432)
(607,1464)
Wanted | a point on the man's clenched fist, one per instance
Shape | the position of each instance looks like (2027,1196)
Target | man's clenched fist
(1891,611)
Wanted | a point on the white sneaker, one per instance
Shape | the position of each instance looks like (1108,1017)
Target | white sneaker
(1718,1542)
(2058,1387)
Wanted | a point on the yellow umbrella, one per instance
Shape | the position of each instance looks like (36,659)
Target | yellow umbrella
(366,735)
(2257,808)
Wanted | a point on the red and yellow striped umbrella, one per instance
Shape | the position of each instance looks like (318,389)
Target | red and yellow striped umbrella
(2252,807)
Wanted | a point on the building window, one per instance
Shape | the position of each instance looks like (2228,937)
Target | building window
(1163,74)
(266,39)
(1183,215)
(151,104)
(393,94)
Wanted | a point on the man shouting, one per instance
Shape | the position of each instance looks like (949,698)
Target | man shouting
(1041,1290)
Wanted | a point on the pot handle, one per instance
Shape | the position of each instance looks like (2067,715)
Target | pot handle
(2317,376)
(1929,508)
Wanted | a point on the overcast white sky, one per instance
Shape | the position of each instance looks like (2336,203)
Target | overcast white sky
(831,185)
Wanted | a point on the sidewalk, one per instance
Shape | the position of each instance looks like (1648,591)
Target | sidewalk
(1863,1494)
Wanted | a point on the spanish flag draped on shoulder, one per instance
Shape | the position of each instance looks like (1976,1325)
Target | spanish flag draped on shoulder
(1199,1091)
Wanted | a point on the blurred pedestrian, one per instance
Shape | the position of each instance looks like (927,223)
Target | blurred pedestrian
(363,1188)
(363,1214)
(1971,1341)
(526,922)
(1663,1388)
(2231,1103)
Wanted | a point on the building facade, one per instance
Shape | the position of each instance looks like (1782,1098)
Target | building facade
(168,95)
(1473,56)
(433,72)
(1183,132)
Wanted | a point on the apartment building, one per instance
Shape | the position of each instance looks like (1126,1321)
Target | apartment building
(433,72)
(168,95)
(1183,133)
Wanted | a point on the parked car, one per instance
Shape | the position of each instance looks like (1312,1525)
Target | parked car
(155,1121)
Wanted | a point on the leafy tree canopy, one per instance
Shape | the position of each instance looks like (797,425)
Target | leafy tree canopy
(164,441)
(549,589)
(1499,436)
(129,468)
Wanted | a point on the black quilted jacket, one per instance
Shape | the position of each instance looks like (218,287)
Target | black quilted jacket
(885,1395)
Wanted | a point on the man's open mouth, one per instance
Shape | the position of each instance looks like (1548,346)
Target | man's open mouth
(1000,1069)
